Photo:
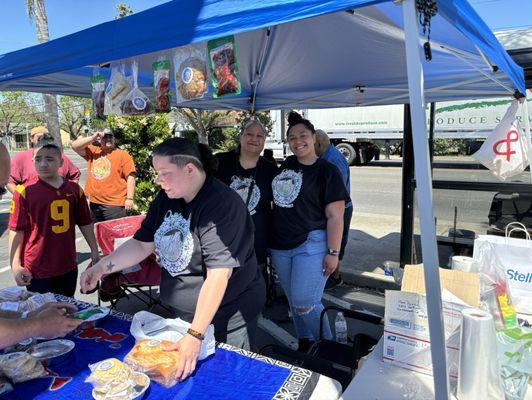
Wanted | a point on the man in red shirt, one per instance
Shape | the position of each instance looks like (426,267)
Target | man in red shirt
(22,168)
(42,223)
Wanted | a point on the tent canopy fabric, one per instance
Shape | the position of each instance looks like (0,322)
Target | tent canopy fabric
(291,54)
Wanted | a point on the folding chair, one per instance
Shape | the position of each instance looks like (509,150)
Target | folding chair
(113,287)
(328,357)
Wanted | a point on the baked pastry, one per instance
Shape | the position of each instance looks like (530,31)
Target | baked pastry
(110,377)
(21,367)
(148,356)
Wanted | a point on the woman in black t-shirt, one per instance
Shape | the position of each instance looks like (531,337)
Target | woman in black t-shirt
(202,234)
(249,174)
(309,199)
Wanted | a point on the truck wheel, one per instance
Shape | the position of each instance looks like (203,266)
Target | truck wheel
(347,151)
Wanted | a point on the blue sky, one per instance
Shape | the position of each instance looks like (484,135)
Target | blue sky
(68,16)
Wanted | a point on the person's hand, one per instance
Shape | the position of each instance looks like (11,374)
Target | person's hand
(189,348)
(129,204)
(90,277)
(97,136)
(60,305)
(55,322)
(22,275)
(330,263)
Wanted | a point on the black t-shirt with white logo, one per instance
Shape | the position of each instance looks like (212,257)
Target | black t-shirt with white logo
(300,195)
(241,180)
(214,230)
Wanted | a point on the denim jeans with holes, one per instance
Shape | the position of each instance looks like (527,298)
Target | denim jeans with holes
(300,272)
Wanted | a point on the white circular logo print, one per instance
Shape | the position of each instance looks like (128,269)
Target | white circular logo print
(241,186)
(173,243)
(286,187)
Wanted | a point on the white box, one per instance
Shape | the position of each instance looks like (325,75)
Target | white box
(406,331)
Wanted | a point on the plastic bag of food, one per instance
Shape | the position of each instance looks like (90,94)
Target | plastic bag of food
(21,367)
(36,301)
(224,66)
(15,293)
(117,89)
(161,84)
(5,385)
(110,376)
(136,102)
(98,95)
(148,356)
(190,66)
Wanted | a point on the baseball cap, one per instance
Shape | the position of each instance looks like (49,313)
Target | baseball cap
(38,130)
(108,132)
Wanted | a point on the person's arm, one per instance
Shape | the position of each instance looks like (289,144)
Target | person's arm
(130,253)
(130,193)
(209,299)
(80,144)
(334,213)
(49,321)
(20,273)
(5,165)
(88,233)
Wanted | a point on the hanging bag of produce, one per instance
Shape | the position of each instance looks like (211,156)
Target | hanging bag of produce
(98,95)
(118,88)
(136,102)
(161,84)
(224,66)
(190,66)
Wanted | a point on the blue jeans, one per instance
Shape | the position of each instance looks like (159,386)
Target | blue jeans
(300,272)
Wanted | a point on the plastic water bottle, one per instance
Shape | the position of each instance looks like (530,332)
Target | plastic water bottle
(340,326)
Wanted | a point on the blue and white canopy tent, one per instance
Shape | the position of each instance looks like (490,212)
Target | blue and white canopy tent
(303,54)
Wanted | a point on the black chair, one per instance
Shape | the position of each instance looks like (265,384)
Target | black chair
(327,357)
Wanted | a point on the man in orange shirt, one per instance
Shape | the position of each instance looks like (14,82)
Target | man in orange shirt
(110,185)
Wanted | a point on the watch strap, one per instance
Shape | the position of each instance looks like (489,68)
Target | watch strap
(198,335)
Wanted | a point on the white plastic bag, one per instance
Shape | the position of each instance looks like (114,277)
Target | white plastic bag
(146,325)
(514,258)
(504,152)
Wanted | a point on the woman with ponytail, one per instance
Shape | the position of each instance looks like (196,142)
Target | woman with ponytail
(309,198)
(203,237)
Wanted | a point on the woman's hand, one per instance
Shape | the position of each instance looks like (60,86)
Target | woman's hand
(189,349)
(330,263)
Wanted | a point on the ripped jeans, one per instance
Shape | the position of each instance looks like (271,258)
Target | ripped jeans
(300,272)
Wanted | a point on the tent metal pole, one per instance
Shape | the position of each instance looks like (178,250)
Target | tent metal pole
(432,115)
(429,245)
(407,192)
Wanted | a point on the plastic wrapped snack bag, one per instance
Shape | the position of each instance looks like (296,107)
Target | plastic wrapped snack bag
(112,379)
(98,95)
(224,66)
(161,84)
(15,293)
(136,102)
(117,89)
(148,356)
(21,367)
(190,66)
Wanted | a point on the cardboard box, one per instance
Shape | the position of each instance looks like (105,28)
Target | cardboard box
(406,328)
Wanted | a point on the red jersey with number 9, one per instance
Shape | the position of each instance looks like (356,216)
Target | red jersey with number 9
(48,217)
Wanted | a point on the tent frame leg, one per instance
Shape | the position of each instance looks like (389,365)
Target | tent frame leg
(424,192)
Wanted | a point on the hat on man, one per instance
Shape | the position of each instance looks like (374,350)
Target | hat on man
(38,130)
(108,132)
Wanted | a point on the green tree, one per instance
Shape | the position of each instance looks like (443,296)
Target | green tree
(122,10)
(139,135)
(18,111)
(72,114)
(36,11)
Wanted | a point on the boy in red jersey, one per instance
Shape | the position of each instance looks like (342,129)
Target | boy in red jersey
(42,237)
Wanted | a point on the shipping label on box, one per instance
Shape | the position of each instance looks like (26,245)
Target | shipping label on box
(406,331)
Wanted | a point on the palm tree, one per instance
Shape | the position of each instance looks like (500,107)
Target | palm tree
(37,14)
